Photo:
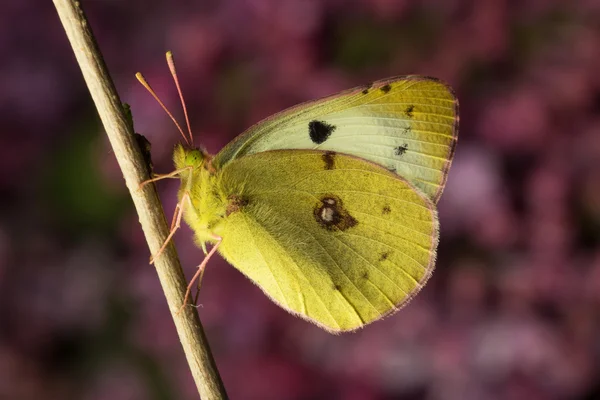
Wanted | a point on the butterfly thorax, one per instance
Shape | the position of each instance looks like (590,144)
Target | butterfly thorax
(199,181)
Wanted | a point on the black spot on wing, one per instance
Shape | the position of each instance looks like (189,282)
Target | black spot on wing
(386,88)
(319,131)
(384,256)
(386,210)
(329,159)
(365,275)
(409,111)
(337,287)
(400,150)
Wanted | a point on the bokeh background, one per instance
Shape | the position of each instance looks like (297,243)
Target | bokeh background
(512,309)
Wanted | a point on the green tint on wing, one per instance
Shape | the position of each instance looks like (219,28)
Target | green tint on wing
(407,124)
(333,238)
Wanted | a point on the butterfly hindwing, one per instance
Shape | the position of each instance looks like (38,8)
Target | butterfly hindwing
(407,125)
(333,238)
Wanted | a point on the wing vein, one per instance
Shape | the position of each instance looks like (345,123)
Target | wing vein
(267,264)
(373,266)
(334,262)
(398,250)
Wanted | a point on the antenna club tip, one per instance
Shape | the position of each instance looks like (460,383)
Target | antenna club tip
(141,79)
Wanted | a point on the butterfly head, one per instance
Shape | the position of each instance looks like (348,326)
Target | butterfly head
(185,157)
(194,158)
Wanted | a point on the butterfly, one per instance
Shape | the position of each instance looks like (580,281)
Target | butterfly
(329,206)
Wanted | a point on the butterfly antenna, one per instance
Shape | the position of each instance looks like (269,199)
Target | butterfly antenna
(171,64)
(145,83)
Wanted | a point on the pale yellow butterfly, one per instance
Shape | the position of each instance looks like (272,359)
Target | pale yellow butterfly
(329,206)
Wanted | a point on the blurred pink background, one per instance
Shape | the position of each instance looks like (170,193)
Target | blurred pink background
(512,309)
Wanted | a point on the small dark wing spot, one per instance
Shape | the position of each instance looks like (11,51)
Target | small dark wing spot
(384,256)
(337,287)
(409,111)
(330,213)
(400,150)
(319,131)
(236,202)
(329,159)
(386,210)
(406,130)
(365,91)
(365,275)
(386,88)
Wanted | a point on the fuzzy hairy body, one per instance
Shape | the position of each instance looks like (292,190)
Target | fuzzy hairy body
(208,204)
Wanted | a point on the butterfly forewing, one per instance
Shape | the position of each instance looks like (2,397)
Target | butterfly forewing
(333,238)
(407,125)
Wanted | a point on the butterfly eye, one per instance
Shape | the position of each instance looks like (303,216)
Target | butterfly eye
(194,158)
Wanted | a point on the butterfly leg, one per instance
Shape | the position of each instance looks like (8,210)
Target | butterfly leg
(175,224)
(200,272)
(158,177)
(199,280)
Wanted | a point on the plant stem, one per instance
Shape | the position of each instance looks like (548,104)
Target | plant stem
(146,201)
